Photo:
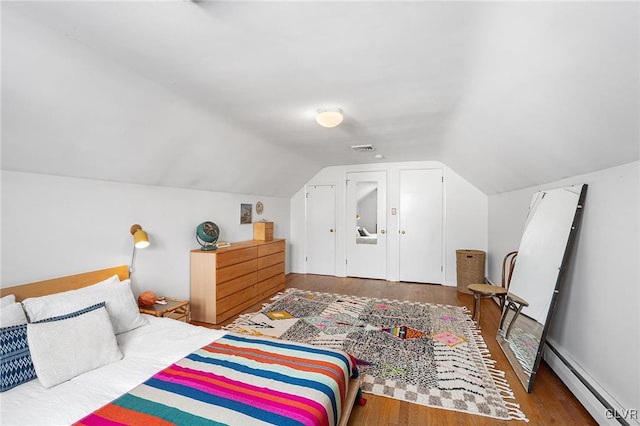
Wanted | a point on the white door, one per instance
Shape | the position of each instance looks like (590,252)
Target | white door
(421,226)
(321,230)
(366,225)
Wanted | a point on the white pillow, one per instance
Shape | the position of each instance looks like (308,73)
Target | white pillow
(117,295)
(67,346)
(122,306)
(11,315)
(7,300)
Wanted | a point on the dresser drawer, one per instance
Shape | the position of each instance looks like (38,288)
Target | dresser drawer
(235,285)
(237,302)
(235,271)
(270,286)
(270,260)
(271,248)
(232,257)
(269,272)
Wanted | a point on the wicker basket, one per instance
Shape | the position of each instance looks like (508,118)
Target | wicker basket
(470,268)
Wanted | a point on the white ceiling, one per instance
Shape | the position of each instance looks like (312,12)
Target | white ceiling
(221,95)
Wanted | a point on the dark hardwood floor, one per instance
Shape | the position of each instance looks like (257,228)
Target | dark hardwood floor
(550,403)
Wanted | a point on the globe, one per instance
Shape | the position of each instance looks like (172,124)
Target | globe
(207,234)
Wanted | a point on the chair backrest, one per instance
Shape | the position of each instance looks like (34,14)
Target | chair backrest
(508,263)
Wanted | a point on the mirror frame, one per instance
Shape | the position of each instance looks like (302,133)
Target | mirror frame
(527,380)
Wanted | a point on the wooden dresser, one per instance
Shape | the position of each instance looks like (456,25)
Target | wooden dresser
(227,281)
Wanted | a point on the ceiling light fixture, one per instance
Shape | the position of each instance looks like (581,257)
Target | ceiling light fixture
(329,117)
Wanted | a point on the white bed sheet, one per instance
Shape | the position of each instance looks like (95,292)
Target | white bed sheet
(146,350)
(367,239)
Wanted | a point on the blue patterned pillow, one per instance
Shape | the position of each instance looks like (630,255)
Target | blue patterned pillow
(16,366)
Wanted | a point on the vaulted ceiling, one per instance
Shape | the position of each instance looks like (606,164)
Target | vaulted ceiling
(221,95)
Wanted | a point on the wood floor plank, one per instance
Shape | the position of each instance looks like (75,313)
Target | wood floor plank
(550,403)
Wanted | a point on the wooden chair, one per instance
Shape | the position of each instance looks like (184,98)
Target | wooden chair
(483,291)
(508,263)
(511,300)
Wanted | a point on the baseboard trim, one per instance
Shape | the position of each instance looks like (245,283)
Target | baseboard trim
(598,402)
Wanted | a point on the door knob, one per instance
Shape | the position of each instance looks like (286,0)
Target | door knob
(403,232)
(330,230)
(382,231)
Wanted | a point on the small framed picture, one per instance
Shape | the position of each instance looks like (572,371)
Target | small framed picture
(245,213)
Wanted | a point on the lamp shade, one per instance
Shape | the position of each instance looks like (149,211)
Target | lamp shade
(329,117)
(140,237)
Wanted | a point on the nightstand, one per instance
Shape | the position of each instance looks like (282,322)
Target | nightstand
(175,309)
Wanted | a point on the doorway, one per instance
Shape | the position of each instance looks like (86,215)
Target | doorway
(320,253)
(420,240)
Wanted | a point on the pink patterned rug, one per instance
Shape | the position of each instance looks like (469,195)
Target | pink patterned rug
(416,352)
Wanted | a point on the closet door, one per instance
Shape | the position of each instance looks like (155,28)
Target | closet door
(320,251)
(421,226)
(366,225)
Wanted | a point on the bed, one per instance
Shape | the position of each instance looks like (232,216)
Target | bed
(161,371)
(365,237)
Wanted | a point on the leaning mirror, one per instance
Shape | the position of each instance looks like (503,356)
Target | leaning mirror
(366,213)
(547,240)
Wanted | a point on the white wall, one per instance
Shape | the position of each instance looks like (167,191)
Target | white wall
(466,220)
(55,226)
(465,215)
(507,215)
(596,323)
(297,231)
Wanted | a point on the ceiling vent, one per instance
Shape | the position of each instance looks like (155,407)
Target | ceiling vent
(363,148)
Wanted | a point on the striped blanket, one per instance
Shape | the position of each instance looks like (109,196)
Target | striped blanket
(239,380)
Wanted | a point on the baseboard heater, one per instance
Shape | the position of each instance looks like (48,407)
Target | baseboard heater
(602,406)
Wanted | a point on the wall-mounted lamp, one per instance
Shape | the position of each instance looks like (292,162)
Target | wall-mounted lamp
(140,240)
(329,117)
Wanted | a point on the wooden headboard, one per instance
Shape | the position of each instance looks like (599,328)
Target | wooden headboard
(71,282)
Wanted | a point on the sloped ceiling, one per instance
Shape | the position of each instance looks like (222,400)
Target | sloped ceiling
(221,95)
